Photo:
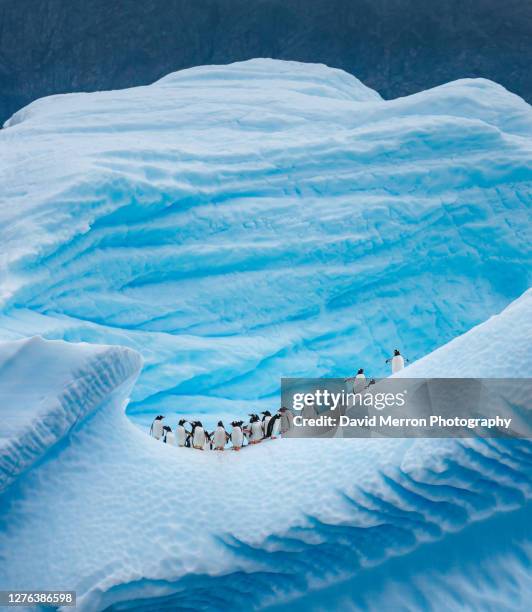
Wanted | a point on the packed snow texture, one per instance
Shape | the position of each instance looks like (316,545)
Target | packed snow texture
(33,416)
(129,522)
(234,224)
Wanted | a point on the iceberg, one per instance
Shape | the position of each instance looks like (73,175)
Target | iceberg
(237,223)
(179,247)
(129,522)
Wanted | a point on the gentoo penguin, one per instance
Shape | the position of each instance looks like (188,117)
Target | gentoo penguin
(156,429)
(360,381)
(274,426)
(287,420)
(219,437)
(208,441)
(181,433)
(255,429)
(199,437)
(267,415)
(398,362)
(237,436)
(168,436)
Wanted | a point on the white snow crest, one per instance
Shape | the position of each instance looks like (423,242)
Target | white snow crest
(46,391)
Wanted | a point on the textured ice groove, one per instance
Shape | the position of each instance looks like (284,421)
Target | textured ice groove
(33,421)
(403,515)
(361,224)
(143,525)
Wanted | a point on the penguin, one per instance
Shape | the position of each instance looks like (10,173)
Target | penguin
(219,437)
(371,382)
(265,420)
(208,441)
(359,380)
(199,437)
(168,436)
(181,433)
(237,436)
(156,429)
(274,426)
(287,420)
(398,361)
(255,429)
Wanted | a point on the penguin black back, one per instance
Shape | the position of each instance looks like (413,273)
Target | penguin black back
(271,425)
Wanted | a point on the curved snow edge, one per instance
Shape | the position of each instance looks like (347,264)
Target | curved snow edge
(99,376)
(513,325)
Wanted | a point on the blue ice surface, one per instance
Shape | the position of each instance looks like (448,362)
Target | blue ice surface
(241,223)
(235,224)
(363,524)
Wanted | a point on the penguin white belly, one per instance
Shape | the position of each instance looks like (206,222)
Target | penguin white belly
(359,384)
(170,439)
(265,424)
(219,438)
(256,431)
(157,430)
(199,439)
(276,428)
(181,435)
(237,437)
(398,363)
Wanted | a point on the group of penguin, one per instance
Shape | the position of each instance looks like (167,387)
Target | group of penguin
(359,380)
(256,430)
(199,438)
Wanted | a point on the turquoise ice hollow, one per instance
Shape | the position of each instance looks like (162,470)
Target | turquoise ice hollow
(186,244)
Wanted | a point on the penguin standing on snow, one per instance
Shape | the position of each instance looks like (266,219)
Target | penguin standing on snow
(237,435)
(267,415)
(199,437)
(274,426)
(156,429)
(168,436)
(181,434)
(398,362)
(287,420)
(255,429)
(359,380)
(208,440)
(219,437)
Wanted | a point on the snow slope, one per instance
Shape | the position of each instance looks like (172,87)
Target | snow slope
(398,523)
(238,223)
(43,396)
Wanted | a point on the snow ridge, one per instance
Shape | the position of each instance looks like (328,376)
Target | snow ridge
(36,415)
